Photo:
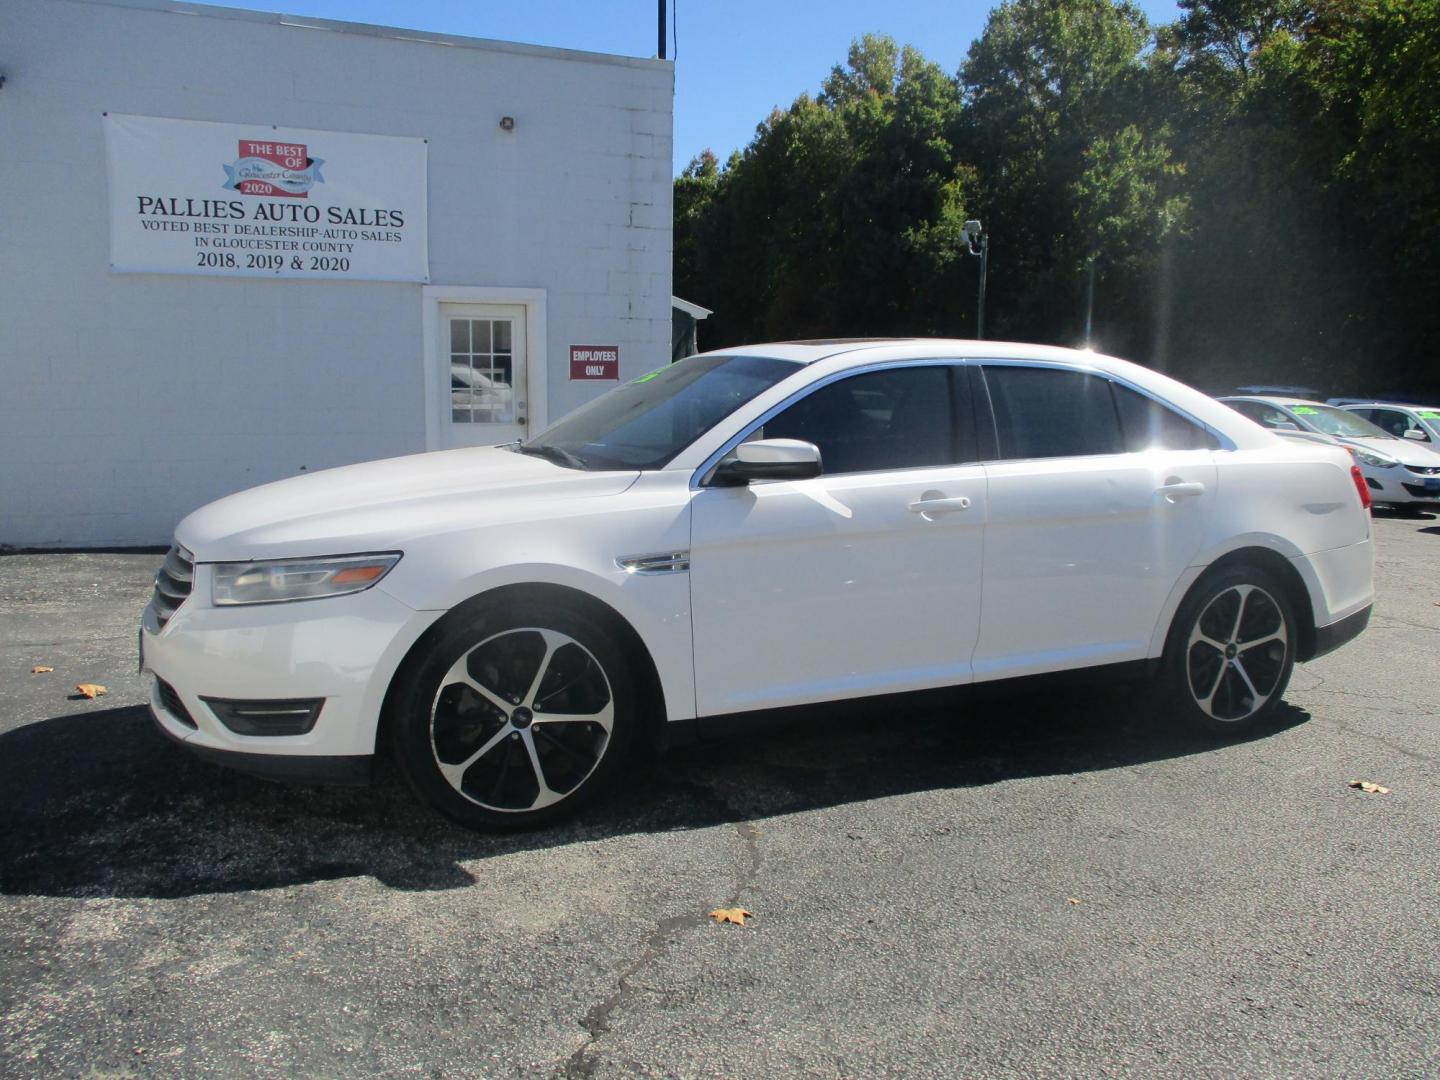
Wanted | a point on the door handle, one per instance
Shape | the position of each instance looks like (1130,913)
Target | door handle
(1174,489)
(939,506)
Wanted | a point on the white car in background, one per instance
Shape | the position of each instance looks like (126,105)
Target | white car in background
(1398,471)
(1419,423)
(743,531)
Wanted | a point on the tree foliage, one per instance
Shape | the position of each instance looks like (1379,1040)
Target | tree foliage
(1256,186)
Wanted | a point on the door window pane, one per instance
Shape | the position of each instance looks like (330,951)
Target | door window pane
(1148,424)
(1048,412)
(896,419)
(481,367)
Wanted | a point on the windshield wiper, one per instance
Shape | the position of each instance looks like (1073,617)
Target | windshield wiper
(559,455)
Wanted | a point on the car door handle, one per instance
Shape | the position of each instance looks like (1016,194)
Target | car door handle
(939,506)
(1175,489)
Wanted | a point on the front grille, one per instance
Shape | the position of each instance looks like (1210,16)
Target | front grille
(172,704)
(1424,470)
(173,583)
(1420,491)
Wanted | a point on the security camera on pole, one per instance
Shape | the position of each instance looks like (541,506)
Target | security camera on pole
(977,242)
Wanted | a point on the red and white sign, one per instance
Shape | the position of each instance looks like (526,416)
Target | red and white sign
(594,362)
(273,168)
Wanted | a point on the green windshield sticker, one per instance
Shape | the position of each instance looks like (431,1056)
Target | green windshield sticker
(647,378)
(1429,414)
(1304,410)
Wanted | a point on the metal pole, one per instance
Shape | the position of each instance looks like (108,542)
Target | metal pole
(980,302)
(1090,301)
(661,51)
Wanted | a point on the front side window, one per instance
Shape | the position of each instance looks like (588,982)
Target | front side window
(1051,412)
(645,423)
(899,418)
(1396,423)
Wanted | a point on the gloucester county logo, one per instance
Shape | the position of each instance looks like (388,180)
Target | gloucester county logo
(272,168)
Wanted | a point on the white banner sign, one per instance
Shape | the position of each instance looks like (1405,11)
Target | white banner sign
(249,200)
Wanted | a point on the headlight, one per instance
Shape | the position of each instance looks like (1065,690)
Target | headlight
(275,581)
(1374,460)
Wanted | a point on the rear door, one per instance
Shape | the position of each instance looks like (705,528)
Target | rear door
(1099,498)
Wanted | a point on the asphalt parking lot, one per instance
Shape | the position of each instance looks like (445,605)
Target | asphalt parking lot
(1046,885)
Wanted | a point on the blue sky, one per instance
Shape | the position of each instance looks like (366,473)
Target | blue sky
(736,59)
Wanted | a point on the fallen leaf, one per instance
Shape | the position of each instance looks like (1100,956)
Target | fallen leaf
(40,669)
(1369,787)
(90,689)
(737,915)
(1072,900)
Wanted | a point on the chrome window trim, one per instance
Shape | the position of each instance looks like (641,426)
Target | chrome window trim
(700,478)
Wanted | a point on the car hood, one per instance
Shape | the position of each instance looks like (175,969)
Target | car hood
(380,505)
(1405,451)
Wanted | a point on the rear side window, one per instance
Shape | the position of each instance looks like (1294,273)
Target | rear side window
(1050,412)
(900,418)
(1147,424)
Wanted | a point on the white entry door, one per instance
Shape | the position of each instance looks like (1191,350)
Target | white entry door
(482,368)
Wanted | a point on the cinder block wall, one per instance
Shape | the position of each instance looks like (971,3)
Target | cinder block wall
(126,400)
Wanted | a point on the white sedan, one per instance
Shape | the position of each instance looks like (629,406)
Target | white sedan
(744,531)
(1398,471)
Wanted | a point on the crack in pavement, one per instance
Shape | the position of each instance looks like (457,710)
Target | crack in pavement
(581,1065)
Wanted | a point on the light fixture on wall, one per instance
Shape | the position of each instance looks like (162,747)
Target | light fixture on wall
(507,123)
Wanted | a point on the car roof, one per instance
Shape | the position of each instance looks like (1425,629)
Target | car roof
(813,351)
(1387,405)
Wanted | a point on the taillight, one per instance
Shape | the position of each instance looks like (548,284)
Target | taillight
(1360,486)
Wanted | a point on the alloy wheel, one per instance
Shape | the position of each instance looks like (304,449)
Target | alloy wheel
(1235,658)
(522,720)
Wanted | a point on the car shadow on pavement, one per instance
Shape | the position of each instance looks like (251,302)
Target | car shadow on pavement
(99,804)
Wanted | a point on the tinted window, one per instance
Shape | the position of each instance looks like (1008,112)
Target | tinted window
(1396,423)
(1048,412)
(1146,423)
(895,419)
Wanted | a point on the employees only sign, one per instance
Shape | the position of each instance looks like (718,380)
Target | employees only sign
(594,362)
(244,200)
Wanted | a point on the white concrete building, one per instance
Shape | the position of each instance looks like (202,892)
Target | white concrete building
(236,246)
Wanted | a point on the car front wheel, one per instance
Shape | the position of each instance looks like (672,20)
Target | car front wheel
(515,716)
(1231,650)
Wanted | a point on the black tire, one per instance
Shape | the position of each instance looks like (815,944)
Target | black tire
(1231,650)
(568,716)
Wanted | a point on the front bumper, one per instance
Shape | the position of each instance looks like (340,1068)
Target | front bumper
(343,649)
(1401,486)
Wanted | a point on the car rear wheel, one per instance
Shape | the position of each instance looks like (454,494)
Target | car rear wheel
(1231,650)
(516,716)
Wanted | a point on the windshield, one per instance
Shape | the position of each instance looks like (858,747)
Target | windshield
(645,423)
(1333,421)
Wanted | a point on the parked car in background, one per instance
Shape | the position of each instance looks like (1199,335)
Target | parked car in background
(1420,423)
(1398,471)
(744,531)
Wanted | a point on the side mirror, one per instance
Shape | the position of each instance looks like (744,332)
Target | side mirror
(768,459)
(1285,425)
(1416,434)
